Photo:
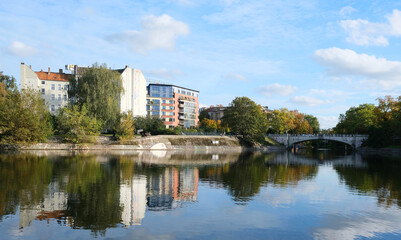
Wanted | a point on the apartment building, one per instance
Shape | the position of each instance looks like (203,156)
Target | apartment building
(52,85)
(177,106)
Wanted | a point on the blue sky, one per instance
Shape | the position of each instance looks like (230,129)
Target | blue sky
(320,57)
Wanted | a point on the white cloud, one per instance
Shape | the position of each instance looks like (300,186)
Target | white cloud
(365,33)
(327,122)
(156,33)
(306,101)
(375,72)
(275,88)
(347,10)
(20,49)
(234,76)
(163,73)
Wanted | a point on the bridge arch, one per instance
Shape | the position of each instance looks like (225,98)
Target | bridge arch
(316,139)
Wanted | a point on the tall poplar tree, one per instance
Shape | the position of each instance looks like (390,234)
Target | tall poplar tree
(99,88)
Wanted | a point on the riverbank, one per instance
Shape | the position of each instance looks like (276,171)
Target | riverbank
(161,142)
(391,152)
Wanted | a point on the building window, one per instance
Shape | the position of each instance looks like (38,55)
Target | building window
(171,108)
(164,101)
(164,107)
(171,101)
(59,87)
(59,97)
(52,108)
(65,97)
(53,97)
(147,107)
(171,119)
(43,82)
(65,87)
(53,86)
(43,91)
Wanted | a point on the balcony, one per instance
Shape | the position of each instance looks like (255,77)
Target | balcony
(181,117)
(181,105)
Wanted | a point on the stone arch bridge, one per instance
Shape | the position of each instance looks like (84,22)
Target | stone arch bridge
(355,141)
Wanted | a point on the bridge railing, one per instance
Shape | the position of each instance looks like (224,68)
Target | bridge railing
(318,135)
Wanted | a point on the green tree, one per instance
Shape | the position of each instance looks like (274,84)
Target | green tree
(357,120)
(76,124)
(24,117)
(125,126)
(313,122)
(244,117)
(203,114)
(151,124)
(99,88)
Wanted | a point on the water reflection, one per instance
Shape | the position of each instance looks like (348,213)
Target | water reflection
(103,190)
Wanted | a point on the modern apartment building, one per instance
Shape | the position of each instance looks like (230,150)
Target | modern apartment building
(177,106)
(54,87)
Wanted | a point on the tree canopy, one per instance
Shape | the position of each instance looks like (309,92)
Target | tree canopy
(244,117)
(99,88)
(24,117)
(286,121)
(357,120)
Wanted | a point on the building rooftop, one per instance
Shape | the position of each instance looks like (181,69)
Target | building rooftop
(64,77)
(160,84)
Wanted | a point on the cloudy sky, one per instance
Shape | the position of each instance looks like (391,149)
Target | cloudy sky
(320,57)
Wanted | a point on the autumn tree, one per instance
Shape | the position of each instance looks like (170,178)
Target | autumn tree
(244,117)
(208,125)
(99,88)
(293,122)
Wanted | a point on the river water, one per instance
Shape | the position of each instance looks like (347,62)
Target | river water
(188,195)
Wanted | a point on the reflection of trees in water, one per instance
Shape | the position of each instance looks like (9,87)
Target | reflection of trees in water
(380,177)
(23,181)
(244,178)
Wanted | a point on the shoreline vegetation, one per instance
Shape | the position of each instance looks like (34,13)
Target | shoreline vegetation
(25,119)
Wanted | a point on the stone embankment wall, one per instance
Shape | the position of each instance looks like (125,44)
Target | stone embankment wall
(164,142)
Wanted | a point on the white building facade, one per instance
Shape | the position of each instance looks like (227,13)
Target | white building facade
(134,96)
(53,86)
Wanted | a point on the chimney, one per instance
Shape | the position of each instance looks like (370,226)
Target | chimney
(30,67)
(48,71)
(60,71)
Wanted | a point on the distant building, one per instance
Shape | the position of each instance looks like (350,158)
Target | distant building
(216,113)
(177,106)
(53,86)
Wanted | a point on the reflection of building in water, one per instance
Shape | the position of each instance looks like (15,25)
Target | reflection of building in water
(173,186)
(53,205)
(133,201)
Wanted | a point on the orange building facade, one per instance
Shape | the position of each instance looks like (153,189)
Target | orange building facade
(177,106)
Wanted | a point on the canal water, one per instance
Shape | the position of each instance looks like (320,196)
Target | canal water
(188,195)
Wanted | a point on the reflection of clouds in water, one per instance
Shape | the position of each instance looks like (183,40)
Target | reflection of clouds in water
(356,226)
(282,197)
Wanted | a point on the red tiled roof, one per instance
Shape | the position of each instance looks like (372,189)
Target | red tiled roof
(53,76)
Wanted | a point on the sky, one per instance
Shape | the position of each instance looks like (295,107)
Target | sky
(318,57)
